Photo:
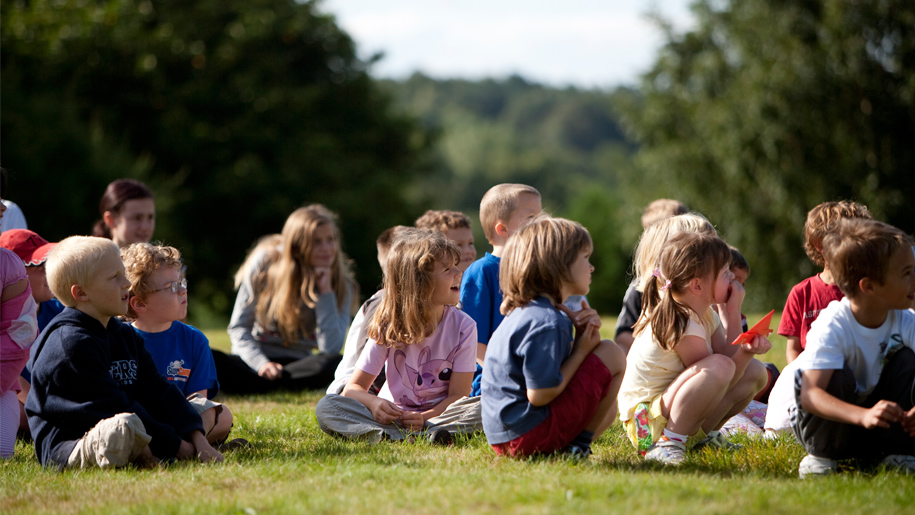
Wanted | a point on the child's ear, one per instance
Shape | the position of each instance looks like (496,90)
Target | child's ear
(137,304)
(866,285)
(501,229)
(78,293)
(108,218)
(695,286)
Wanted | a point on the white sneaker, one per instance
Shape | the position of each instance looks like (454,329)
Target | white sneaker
(667,452)
(900,462)
(814,466)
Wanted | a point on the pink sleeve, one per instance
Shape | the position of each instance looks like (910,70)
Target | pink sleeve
(466,358)
(373,358)
(11,268)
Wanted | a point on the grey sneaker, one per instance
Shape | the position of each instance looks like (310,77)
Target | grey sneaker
(900,462)
(667,452)
(440,436)
(718,442)
(814,466)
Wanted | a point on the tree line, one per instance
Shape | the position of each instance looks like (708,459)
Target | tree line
(237,112)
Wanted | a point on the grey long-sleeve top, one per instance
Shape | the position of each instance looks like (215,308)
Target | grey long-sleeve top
(257,345)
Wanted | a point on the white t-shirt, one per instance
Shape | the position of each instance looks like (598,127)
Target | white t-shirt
(837,340)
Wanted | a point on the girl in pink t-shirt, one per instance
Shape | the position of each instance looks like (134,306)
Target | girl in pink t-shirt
(425,345)
(18,330)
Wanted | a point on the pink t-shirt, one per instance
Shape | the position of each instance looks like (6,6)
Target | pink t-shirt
(418,376)
(803,306)
(18,323)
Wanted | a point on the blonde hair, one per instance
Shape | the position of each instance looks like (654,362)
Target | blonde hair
(687,256)
(660,209)
(857,248)
(654,239)
(537,260)
(140,261)
(499,203)
(287,284)
(822,219)
(442,220)
(406,315)
(75,260)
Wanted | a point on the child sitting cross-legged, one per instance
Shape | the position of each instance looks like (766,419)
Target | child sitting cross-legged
(856,380)
(97,398)
(158,301)
(543,389)
(423,342)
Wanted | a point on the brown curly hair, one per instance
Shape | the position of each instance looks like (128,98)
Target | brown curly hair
(822,220)
(140,261)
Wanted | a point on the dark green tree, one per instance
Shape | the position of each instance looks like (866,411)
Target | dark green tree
(236,112)
(768,108)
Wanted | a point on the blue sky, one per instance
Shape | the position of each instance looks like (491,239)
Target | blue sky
(585,43)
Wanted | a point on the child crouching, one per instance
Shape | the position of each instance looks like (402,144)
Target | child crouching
(544,391)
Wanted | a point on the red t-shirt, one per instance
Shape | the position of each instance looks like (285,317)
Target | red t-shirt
(803,306)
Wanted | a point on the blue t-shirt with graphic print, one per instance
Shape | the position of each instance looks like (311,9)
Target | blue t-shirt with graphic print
(182,354)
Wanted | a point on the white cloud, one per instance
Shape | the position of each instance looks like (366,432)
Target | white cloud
(584,43)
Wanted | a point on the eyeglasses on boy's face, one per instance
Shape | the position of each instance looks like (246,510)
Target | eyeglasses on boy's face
(174,286)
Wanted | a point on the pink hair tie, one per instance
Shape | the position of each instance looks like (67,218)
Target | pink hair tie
(657,273)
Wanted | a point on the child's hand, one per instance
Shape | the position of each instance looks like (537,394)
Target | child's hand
(271,371)
(588,339)
(207,454)
(882,414)
(185,450)
(582,318)
(758,345)
(412,420)
(322,279)
(908,422)
(385,412)
(736,293)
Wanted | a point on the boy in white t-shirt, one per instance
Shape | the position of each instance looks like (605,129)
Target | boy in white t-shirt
(855,388)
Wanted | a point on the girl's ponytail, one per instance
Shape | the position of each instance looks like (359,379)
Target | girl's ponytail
(686,256)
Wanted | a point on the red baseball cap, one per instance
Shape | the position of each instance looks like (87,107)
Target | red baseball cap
(31,248)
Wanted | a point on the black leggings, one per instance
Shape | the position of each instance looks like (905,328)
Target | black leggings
(313,372)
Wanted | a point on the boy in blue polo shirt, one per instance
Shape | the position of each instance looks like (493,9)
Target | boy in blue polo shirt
(158,301)
(504,209)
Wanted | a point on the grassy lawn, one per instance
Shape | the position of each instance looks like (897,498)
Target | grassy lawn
(294,468)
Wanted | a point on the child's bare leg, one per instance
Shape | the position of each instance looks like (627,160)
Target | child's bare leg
(22,395)
(614,358)
(220,430)
(696,393)
(217,422)
(738,397)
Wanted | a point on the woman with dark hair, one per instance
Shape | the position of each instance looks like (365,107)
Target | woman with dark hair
(128,213)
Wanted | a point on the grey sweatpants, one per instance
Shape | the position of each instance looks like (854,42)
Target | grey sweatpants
(342,416)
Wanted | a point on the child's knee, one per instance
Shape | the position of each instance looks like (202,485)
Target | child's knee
(756,374)
(612,356)
(222,424)
(719,368)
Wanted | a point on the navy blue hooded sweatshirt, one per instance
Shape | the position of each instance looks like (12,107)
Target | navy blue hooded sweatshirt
(83,373)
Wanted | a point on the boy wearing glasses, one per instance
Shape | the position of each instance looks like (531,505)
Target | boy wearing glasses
(157,304)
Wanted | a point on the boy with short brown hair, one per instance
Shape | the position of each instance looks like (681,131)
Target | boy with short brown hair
(503,210)
(97,398)
(855,384)
(456,227)
(813,294)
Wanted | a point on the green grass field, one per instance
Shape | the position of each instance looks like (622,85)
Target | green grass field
(294,468)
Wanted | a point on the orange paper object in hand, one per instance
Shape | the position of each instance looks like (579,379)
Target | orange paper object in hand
(761,328)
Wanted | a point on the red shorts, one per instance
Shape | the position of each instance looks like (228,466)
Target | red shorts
(570,412)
